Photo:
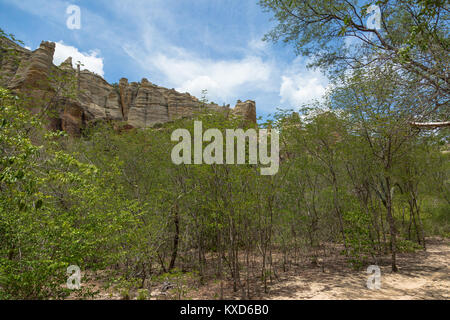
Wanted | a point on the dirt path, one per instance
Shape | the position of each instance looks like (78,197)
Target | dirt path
(422,275)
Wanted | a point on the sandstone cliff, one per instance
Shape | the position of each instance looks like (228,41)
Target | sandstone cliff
(82,97)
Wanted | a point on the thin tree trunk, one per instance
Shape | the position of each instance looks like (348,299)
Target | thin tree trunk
(176,237)
(391,222)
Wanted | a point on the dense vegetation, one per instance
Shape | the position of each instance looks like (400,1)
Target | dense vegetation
(116,202)
(355,178)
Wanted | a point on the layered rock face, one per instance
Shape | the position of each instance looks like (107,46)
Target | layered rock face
(81,97)
(246,109)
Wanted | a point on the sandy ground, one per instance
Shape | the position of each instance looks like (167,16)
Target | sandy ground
(422,275)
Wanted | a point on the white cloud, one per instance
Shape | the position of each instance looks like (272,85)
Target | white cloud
(300,89)
(228,74)
(91,60)
(224,79)
(300,86)
(257,45)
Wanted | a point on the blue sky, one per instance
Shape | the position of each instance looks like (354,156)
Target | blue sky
(189,45)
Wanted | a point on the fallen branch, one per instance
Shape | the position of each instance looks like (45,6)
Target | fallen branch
(430,124)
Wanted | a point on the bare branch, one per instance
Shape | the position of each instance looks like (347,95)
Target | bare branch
(430,124)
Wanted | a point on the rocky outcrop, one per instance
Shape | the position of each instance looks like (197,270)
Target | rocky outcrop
(80,97)
(11,55)
(33,73)
(246,109)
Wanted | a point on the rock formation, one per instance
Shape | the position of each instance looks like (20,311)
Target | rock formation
(137,104)
(246,109)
